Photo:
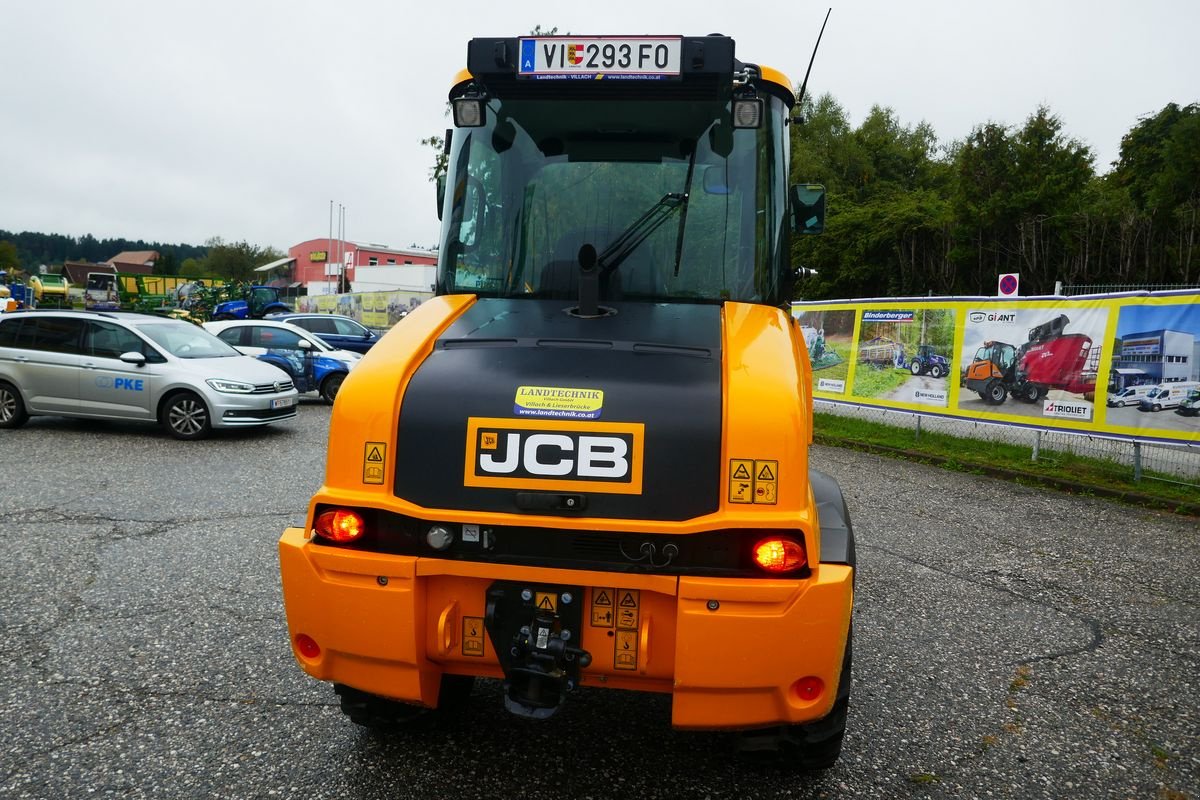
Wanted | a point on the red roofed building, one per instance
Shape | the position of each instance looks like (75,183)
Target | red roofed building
(140,262)
(317,266)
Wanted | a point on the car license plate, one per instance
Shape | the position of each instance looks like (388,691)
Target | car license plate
(589,56)
(283,402)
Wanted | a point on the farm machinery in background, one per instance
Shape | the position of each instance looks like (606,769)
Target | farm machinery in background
(882,352)
(39,291)
(193,299)
(1050,359)
(820,355)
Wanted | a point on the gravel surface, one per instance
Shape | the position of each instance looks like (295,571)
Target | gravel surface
(1009,643)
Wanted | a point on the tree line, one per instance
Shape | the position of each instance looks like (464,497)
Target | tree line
(907,216)
(216,258)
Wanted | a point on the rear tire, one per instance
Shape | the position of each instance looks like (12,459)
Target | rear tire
(185,416)
(935,371)
(331,385)
(813,745)
(12,407)
(383,714)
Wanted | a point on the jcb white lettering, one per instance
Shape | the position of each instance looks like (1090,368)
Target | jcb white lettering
(603,457)
(535,466)
(511,450)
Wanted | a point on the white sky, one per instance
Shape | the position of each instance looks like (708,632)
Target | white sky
(178,120)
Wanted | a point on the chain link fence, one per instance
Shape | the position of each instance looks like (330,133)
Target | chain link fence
(1075,290)
(1181,463)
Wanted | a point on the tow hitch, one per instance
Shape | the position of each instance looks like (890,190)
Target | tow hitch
(534,630)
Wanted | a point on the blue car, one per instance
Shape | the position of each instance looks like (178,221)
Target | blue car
(312,365)
(333,329)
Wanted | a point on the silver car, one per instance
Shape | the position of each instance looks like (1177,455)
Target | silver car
(114,365)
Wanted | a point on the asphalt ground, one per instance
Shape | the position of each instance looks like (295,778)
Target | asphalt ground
(1009,643)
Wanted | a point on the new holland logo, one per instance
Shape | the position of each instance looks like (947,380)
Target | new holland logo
(554,455)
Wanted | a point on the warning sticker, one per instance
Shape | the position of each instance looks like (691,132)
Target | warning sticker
(374,457)
(766,482)
(472,636)
(741,480)
(602,608)
(546,601)
(627,609)
(625,650)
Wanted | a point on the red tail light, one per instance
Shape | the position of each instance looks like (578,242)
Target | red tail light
(780,554)
(307,646)
(341,526)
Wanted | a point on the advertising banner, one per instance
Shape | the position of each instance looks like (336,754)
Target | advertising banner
(378,310)
(1115,365)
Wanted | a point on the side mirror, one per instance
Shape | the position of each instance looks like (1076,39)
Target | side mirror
(441,193)
(305,344)
(133,357)
(808,208)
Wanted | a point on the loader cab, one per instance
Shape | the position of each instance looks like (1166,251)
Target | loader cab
(669,186)
(1001,356)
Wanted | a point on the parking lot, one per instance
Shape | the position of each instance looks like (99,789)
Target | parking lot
(1009,642)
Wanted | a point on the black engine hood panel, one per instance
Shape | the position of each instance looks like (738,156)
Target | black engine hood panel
(658,368)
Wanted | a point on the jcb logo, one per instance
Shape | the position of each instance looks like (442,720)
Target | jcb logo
(551,455)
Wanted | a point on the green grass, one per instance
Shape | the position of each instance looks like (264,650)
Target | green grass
(870,381)
(1067,471)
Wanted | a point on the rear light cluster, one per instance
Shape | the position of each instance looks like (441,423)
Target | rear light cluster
(341,525)
(780,555)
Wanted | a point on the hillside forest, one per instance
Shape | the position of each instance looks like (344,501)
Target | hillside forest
(909,216)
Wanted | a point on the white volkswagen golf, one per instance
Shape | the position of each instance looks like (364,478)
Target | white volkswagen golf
(118,365)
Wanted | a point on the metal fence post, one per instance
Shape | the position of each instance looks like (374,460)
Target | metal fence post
(1037,445)
(1137,462)
(918,433)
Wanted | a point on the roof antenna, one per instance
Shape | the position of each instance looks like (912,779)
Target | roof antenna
(803,86)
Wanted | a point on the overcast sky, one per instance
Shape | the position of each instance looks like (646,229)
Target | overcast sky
(176,121)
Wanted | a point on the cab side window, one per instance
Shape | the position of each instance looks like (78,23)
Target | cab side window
(274,339)
(318,325)
(347,328)
(232,336)
(8,331)
(104,340)
(55,334)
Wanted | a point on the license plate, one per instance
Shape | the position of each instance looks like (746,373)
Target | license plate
(283,402)
(589,56)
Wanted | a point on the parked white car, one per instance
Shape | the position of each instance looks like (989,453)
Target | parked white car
(120,365)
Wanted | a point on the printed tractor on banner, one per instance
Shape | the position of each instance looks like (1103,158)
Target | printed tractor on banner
(1051,358)
(819,353)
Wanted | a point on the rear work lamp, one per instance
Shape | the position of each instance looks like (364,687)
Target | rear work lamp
(470,110)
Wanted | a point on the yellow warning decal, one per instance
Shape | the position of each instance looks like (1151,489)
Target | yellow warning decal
(546,601)
(472,636)
(374,457)
(602,608)
(766,482)
(741,481)
(627,609)
(625,650)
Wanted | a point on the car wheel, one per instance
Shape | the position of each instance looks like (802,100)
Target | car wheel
(383,714)
(12,407)
(185,416)
(1157,407)
(331,385)
(935,371)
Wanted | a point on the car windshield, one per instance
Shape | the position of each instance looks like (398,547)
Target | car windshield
(184,340)
(677,205)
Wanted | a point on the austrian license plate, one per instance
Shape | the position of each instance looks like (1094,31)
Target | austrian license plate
(283,402)
(588,56)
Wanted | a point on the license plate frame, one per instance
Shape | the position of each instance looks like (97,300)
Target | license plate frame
(587,57)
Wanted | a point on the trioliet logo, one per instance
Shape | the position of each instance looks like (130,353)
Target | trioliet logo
(554,456)
(1068,410)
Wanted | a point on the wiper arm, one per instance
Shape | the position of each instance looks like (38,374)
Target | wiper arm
(639,230)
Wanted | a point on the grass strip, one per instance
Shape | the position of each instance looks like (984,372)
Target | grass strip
(1067,472)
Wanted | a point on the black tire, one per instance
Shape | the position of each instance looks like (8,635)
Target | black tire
(382,714)
(185,416)
(935,371)
(996,393)
(331,385)
(813,745)
(1156,407)
(12,407)
(223,317)
(915,368)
